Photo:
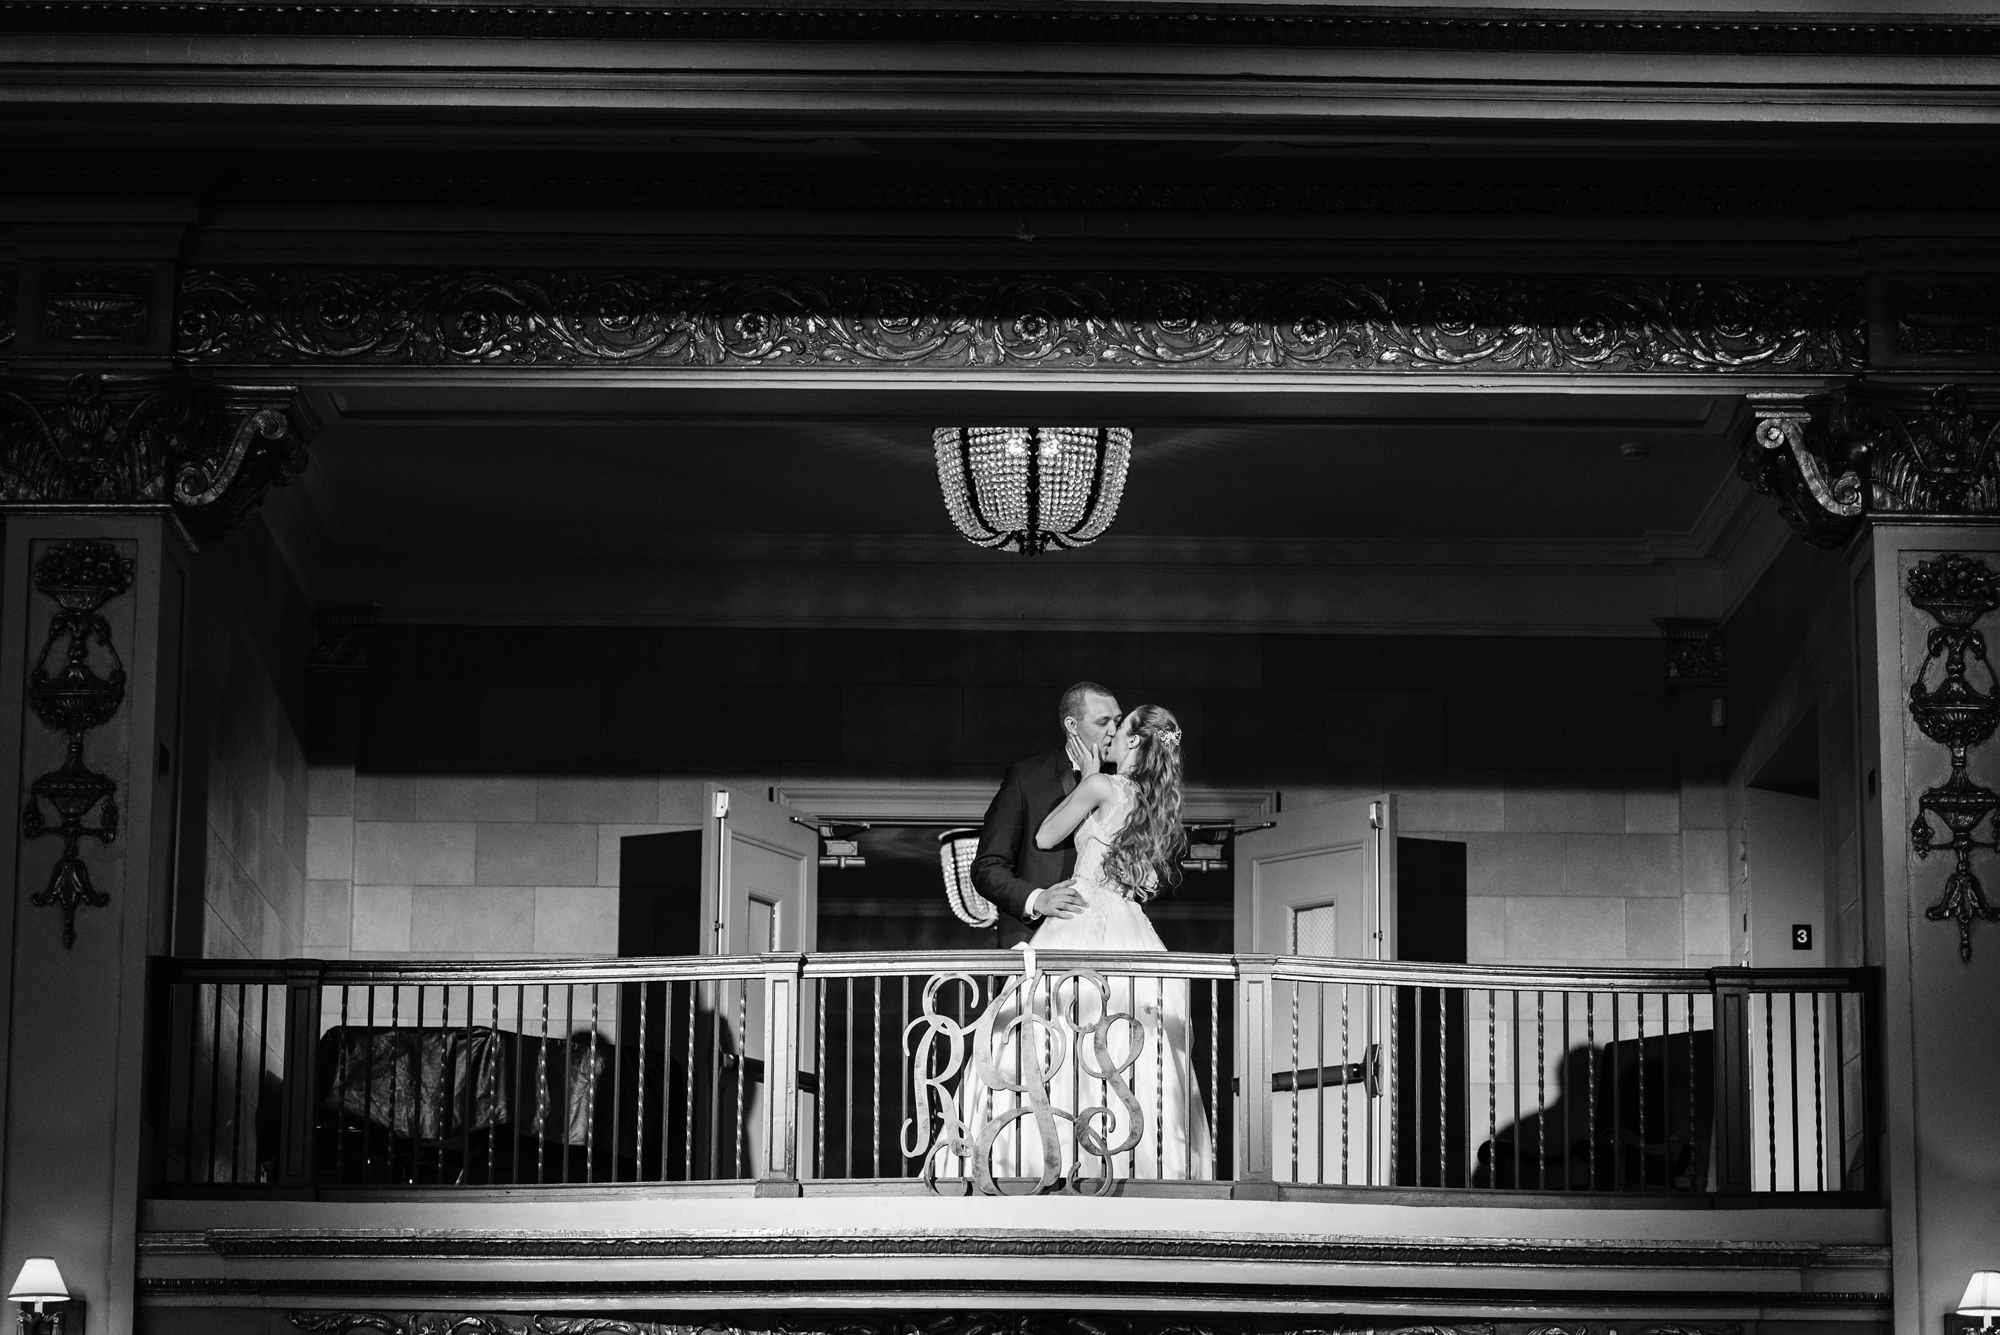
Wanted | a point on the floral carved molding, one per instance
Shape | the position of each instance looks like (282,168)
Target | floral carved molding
(1956,592)
(206,451)
(297,317)
(1887,450)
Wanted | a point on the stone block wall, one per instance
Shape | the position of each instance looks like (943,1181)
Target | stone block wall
(474,807)
(241,869)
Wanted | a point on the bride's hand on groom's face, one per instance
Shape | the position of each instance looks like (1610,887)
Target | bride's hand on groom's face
(1059,901)
(1083,756)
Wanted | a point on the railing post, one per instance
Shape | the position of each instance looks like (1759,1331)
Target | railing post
(303,980)
(1730,997)
(1253,1079)
(781,1075)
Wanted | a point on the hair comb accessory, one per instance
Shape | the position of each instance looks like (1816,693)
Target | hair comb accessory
(1171,736)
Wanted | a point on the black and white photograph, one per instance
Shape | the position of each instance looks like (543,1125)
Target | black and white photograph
(1000,667)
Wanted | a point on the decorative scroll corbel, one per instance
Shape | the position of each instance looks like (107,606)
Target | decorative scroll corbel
(73,699)
(1792,453)
(1956,591)
(209,452)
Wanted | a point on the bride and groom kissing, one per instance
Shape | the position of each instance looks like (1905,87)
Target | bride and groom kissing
(1073,846)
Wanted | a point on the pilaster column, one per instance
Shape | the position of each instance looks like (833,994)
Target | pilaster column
(106,481)
(1904,475)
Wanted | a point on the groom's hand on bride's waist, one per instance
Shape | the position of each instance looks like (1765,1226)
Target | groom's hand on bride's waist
(1058,901)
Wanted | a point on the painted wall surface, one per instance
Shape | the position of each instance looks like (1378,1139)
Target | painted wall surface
(495,768)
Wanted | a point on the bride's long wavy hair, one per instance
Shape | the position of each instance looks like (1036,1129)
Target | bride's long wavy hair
(1146,854)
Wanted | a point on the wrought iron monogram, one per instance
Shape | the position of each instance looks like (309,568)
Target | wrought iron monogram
(208,451)
(271,317)
(81,576)
(1026,1037)
(1956,591)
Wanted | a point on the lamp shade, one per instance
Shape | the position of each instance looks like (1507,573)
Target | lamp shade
(1982,1295)
(1030,488)
(956,850)
(39,1282)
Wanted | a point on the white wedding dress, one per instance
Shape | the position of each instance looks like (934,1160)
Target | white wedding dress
(1083,1051)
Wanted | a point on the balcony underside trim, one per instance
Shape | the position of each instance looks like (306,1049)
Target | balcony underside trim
(933,1294)
(467,1244)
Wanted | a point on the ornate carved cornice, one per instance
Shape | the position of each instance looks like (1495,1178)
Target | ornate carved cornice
(1092,24)
(295,317)
(206,451)
(1923,451)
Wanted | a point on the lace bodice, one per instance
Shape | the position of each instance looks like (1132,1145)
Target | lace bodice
(1095,833)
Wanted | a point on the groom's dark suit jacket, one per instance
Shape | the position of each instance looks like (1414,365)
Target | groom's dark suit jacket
(1009,867)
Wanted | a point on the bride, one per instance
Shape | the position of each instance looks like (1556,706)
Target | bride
(1106,1053)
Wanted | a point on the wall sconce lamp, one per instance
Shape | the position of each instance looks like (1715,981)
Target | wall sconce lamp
(1982,1298)
(40,1282)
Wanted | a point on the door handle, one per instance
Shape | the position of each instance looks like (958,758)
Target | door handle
(1366,1072)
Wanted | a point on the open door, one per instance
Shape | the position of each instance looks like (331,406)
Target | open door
(1322,882)
(759,876)
(759,895)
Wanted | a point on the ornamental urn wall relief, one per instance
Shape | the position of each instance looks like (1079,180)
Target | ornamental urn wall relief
(75,685)
(1956,591)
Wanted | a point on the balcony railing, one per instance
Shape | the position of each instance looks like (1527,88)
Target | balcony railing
(954,1072)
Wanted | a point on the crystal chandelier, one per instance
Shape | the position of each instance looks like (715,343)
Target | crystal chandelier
(956,850)
(1029,488)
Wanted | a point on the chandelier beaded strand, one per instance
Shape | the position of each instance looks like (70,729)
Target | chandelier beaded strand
(1029,488)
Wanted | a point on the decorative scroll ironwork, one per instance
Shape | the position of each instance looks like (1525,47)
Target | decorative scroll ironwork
(286,317)
(1956,591)
(1791,454)
(208,451)
(1044,1028)
(1876,449)
(81,576)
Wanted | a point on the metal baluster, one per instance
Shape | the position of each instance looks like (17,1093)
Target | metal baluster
(1590,1044)
(1214,1072)
(1443,1095)
(875,1155)
(1295,1080)
(368,1094)
(718,1003)
(1319,1095)
(1792,1066)
(1819,1101)
(1644,1175)
(479,1084)
(396,1076)
(236,1094)
(1160,1072)
(687,1130)
(542,1094)
(518,1095)
(590,1126)
(1346,1059)
(825,1081)
(1617,1110)
(1417,1118)
(743,1077)
(903,1080)
(1541,1096)
(1493,1085)
(1187,1082)
(1697,1186)
(1395,1112)
(1771,1086)
(847,1140)
(1563,1100)
(639,1090)
(1840,1085)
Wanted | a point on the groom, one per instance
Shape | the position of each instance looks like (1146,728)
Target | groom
(1024,882)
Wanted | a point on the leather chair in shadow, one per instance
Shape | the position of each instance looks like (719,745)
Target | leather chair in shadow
(1635,1115)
